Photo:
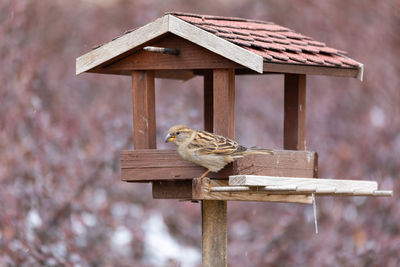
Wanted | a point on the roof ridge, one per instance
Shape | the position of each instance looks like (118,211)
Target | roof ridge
(218,17)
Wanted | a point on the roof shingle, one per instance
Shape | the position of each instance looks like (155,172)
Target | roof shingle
(276,44)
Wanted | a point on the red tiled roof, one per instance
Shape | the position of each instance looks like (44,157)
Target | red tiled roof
(276,44)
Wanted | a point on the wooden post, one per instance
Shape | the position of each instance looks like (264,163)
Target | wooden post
(214,212)
(294,133)
(214,231)
(224,102)
(208,101)
(144,115)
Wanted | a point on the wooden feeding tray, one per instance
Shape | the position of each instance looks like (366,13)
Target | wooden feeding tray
(172,177)
(286,176)
(256,188)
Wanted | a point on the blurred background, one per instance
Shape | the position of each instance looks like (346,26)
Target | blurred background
(61,198)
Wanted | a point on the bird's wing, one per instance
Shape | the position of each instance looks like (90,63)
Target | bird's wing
(207,143)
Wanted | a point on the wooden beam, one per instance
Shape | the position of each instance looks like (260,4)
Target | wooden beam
(156,165)
(203,190)
(144,117)
(183,75)
(180,189)
(295,112)
(311,70)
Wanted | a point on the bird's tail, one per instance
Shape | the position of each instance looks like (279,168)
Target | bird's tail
(260,151)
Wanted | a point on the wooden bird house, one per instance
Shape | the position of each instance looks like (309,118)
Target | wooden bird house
(181,46)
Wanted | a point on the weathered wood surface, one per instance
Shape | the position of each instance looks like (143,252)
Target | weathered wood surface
(339,185)
(214,233)
(191,57)
(174,74)
(203,189)
(144,114)
(295,185)
(199,189)
(294,130)
(152,165)
(293,190)
(181,189)
(216,44)
(119,47)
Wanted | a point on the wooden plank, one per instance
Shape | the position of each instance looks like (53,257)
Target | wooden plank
(151,165)
(183,75)
(191,57)
(295,112)
(320,184)
(122,45)
(202,191)
(208,106)
(224,102)
(311,70)
(181,189)
(214,233)
(295,190)
(144,117)
(216,44)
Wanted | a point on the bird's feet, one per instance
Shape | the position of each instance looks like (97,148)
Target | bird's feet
(204,174)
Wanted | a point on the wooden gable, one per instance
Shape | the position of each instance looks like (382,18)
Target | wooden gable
(191,57)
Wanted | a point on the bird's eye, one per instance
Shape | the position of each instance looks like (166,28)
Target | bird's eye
(177,133)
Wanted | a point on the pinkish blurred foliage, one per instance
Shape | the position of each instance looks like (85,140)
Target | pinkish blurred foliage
(62,202)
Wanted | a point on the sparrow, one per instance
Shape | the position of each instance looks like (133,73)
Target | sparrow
(209,150)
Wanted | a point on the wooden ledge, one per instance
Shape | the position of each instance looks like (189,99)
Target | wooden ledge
(295,185)
(149,165)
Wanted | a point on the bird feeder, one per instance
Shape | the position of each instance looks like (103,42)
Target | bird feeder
(181,46)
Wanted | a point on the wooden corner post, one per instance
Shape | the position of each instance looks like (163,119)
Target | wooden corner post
(144,114)
(294,130)
(222,118)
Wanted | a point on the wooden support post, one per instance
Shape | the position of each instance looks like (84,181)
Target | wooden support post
(294,133)
(208,101)
(144,115)
(214,232)
(224,102)
(214,212)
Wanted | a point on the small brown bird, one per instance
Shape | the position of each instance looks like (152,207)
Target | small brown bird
(206,149)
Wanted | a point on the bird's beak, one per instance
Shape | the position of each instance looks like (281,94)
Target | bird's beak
(169,138)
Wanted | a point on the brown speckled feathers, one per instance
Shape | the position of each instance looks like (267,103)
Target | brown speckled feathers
(208,143)
(206,149)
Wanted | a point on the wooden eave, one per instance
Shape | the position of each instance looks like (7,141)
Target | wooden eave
(313,70)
